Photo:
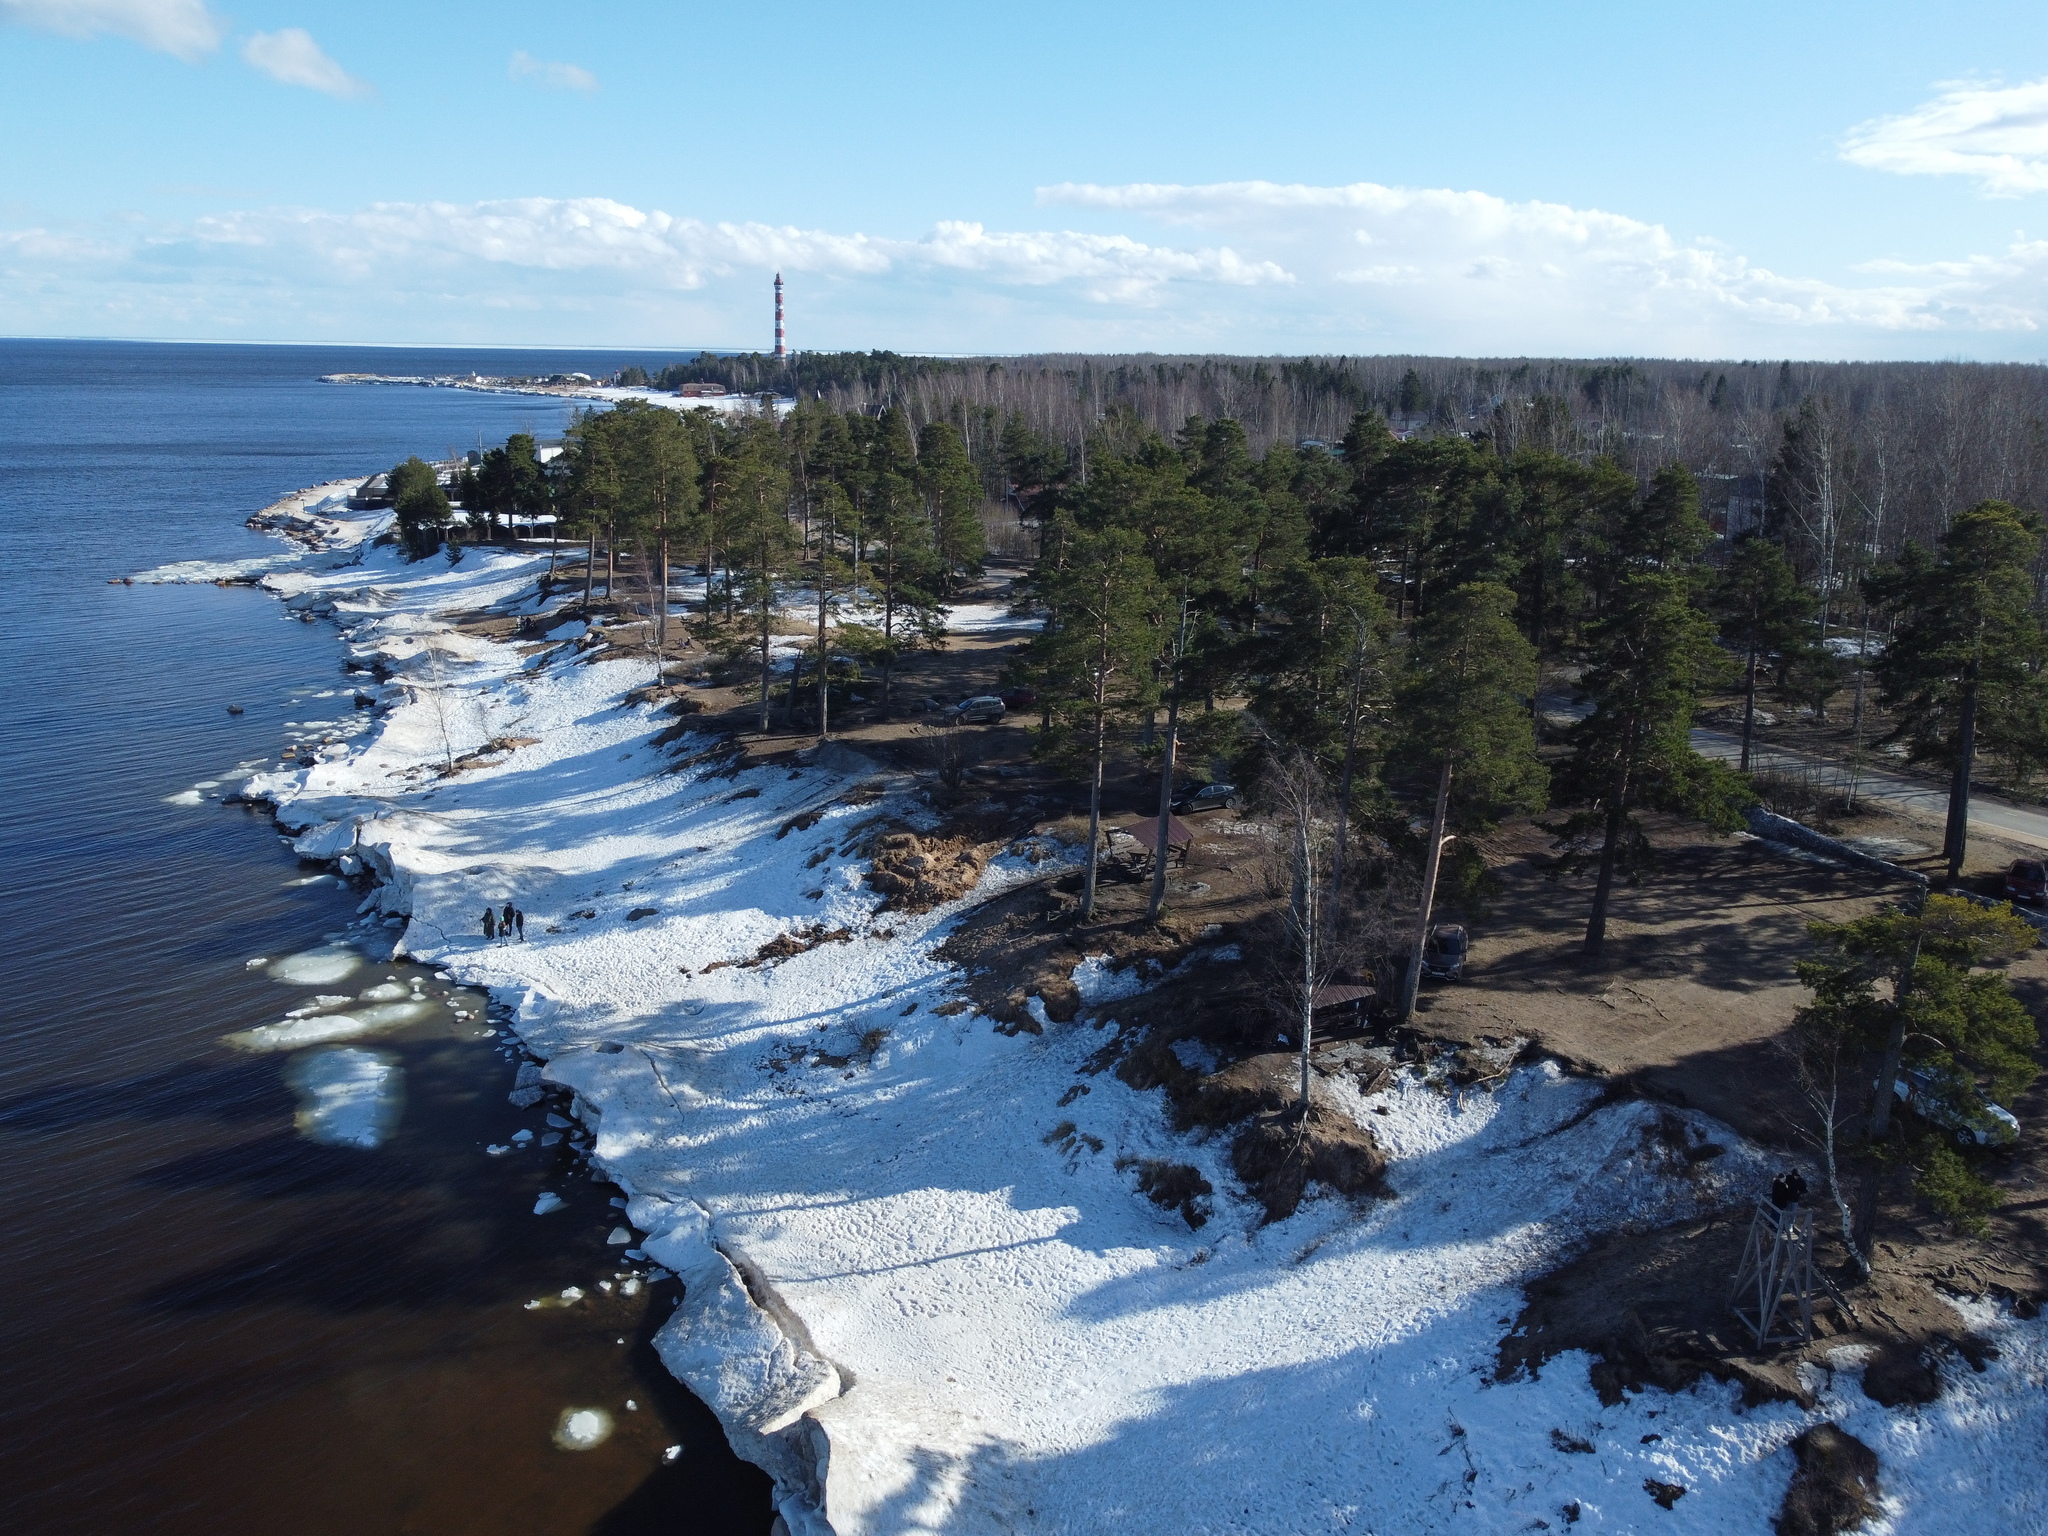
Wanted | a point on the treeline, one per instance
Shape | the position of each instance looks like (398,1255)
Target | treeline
(1857,457)
(843,503)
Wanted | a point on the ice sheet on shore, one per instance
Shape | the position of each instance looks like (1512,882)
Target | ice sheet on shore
(918,1313)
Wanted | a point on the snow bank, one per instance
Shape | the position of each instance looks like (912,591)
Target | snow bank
(922,1286)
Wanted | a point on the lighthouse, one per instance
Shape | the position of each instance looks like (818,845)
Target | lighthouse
(780,350)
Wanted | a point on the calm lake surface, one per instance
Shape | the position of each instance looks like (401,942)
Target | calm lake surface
(209,1321)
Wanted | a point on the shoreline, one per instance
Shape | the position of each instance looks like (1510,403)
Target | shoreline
(609,394)
(834,1381)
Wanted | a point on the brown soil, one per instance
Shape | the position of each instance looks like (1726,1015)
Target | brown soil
(1835,1488)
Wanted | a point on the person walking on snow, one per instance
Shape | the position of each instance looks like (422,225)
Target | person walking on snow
(505,923)
(490,924)
(519,920)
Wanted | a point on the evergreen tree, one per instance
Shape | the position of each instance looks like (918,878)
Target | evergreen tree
(422,506)
(1465,724)
(1763,612)
(1964,666)
(658,494)
(762,542)
(1093,660)
(1909,986)
(951,488)
(1648,659)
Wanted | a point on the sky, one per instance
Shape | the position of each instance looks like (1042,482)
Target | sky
(1743,180)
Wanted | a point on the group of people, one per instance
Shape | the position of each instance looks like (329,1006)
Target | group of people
(502,926)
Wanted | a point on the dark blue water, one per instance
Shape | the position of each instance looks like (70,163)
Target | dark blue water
(209,1323)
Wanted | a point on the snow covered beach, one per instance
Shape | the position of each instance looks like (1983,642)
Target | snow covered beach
(923,1288)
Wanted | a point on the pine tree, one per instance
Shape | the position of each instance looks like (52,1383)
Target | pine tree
(421,505)
(1965,664)
(1648,659)
(951,488)
(1465,723)
(1093,660)
(1763,612)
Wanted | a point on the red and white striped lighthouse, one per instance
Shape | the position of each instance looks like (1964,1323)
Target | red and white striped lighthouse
(780,350)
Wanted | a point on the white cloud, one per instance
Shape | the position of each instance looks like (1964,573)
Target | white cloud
(549,75)
(1247,266)
(183,28)
(600,237)
(1997,135)
(1477,272)
(291,57)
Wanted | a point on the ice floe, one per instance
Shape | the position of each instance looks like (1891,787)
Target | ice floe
(317,967)
(347,1097)
(582,1429)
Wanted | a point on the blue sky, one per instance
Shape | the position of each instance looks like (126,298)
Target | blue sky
(1741,180)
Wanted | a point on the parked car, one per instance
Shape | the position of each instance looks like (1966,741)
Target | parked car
(1979,1123)
(2026,880)
(1443,953)
(1190,798)
(982,709)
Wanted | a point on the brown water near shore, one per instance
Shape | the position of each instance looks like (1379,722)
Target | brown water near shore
(209,1321)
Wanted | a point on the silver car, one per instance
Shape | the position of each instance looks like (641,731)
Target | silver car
(983,709)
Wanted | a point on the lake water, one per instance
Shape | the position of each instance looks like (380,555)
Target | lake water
(209,1321)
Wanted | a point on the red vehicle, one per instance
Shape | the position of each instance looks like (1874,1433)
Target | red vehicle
(2026,880)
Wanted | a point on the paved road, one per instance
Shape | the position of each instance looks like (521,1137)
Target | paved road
(1916,797)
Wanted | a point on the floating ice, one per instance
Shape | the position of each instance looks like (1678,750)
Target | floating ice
(256,964)
(384,992)
(548,1201)
(619,1237)
(207,784)
(185,797)
(321,967)
(552,1138)
(631,1406)
(630,1286)
(672,1454)
(572,1293)
(324,1028)
(522,1136)
(557,1121)
(308,880)
(581,1429)
(347,1097)
(496,1149)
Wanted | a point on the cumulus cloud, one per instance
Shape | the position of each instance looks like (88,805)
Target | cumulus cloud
(1482,272)
(550,76)
(595,235)
(291,57)
(186,29)
(1996,135)
(1242,266)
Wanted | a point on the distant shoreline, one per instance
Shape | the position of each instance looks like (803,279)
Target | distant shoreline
(610,394)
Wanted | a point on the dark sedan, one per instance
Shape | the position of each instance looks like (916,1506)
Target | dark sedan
(2026,880)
